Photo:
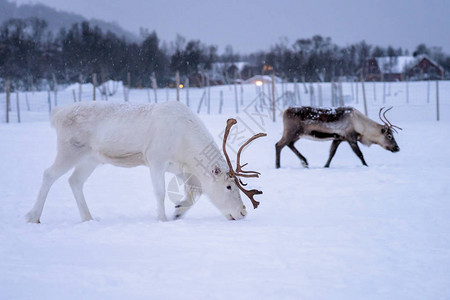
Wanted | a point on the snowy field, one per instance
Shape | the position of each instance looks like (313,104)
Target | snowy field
(347,232)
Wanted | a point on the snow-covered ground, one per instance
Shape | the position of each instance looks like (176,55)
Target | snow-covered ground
(347,232)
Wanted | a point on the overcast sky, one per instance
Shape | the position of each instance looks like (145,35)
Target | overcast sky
(251,25)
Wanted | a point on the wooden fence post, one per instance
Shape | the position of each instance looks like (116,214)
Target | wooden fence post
(8,98)
(186,87)
(104,90)
(298,100)
(208,98)
(17,106)
(407,91)
(273,95)
(437,100)
(353,92)
(242,92)
(299,94)
(364,95)
(374,91)
(236,101)
(154,86)
(341,92)
(235,85)
(55,89)
(333,94)
(201,101)
(129,86)
(221,102)
(94,84)
(304,85)
(312,100)
(319,87)
(148,95)
(80,78)
(357,92)
(124,88)
(177,79)
(49,100)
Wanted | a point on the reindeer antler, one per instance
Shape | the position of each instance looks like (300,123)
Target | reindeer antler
(387,123)
(379,115)
(239,172)
(230,123)
(239,167)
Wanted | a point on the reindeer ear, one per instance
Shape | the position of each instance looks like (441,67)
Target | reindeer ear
(216,170)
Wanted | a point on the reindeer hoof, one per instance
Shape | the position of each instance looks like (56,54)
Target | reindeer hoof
(31,218)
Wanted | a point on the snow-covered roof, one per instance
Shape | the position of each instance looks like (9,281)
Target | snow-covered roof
(422,56)
(399,64)
(396,64)
(263,78)
(220,66)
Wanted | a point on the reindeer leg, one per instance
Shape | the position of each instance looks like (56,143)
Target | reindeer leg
(157,173)
(65,160)
(77,179)
(278,147)
(302,158)
(192,189)
(334,146)
(355,148)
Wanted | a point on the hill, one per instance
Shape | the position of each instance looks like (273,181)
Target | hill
(57,19)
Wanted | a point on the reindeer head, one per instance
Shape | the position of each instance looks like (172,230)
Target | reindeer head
(224,190)
(236,174)
(388,142)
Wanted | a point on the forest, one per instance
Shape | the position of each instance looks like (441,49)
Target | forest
(32,55)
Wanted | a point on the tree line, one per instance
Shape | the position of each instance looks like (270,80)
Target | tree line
(31,55)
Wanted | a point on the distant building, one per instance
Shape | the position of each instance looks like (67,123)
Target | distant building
(424,68)
(387,68)
(399,68)
(227,72)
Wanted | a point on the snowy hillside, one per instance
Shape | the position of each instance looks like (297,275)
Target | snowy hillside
(347,232)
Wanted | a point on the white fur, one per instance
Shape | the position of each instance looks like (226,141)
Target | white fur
(164,137)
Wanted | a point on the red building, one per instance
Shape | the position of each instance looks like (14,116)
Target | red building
(387,68)
(425,69)
(401,68)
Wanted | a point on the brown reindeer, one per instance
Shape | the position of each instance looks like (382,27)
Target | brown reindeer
(339,124)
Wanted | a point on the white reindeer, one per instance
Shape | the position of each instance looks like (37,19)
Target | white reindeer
(164,137)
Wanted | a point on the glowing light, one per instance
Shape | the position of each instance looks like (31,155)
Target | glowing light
(181,86)
(259,83)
